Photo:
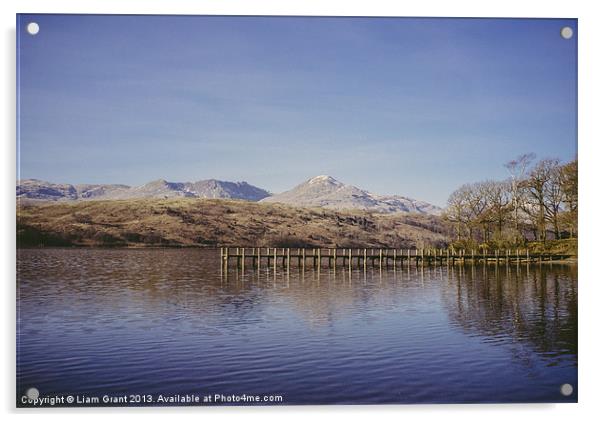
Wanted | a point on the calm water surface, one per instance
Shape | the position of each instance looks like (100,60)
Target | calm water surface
(95,322)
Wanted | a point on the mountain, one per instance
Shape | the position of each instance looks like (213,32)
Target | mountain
(41,190)
(98,191)
(38,189)
(327,192)
(237,190)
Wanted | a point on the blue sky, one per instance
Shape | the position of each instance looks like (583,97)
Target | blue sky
(405,106)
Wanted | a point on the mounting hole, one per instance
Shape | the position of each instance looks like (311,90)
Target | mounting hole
(566,389)
(567,34)
(32,393)
(33,28)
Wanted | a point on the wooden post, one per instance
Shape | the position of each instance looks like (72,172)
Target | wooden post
(517,256)
(380,257)
(319,257)
(394,258)
(335,257)
(365,258)
(275,258)
(288,258)
(303,259)
(350,254)
(242,262)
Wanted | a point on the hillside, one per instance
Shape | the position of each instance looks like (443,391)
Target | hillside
(327,192)
(211,222)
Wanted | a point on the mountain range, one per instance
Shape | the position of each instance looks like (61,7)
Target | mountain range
(320,191)
(41,190)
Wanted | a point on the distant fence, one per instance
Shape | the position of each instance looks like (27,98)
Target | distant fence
(364,257)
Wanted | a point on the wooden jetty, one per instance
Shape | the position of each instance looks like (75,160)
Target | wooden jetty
(364,257)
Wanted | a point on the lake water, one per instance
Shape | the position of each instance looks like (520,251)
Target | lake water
(108,322)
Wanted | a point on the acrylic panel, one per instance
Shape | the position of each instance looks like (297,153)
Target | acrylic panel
(252,210)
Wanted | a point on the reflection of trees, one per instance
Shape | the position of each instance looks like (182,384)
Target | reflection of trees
(537,305)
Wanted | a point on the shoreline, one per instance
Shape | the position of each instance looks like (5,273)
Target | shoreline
(573,260)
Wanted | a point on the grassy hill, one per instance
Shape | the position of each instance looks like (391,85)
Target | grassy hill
(214,222)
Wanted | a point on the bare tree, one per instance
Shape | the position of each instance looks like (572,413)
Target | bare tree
(517,169)
(477,202)
(457,210)
(569,188)
(554,195)
(498,196)
(466,208)
(538,187)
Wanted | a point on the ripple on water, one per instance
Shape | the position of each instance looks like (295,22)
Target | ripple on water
(165,321)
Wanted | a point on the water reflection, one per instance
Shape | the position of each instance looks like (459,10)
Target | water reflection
(529,304)
(173,321)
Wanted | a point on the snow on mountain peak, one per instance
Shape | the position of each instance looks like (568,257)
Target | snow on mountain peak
(323,178)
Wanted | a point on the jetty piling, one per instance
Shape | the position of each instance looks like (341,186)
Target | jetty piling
(359,258)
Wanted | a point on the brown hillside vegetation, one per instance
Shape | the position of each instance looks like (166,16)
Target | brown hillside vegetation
(210,222)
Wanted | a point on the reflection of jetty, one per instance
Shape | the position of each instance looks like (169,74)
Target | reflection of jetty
(354,257)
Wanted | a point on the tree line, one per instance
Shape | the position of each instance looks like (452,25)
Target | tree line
(538,201)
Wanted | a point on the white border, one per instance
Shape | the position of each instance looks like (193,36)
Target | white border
(590,72)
